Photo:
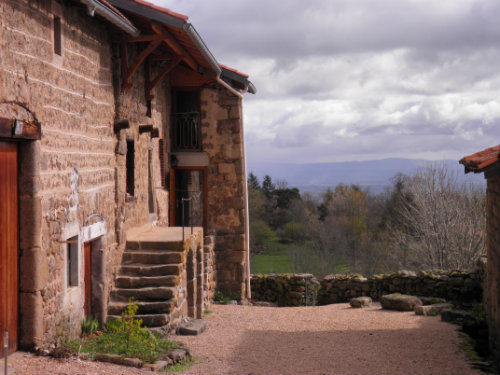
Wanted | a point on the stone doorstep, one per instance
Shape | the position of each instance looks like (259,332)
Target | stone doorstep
(192,328)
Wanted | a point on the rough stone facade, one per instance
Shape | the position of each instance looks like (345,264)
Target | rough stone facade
(223,141)
(460,287)
(73,182)
(492,279)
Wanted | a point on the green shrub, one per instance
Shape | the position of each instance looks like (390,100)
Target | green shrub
(90,326)
(126,337)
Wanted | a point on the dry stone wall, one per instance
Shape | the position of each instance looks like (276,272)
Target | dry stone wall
(461,287)
(222,138)
(492,281)
(285,289)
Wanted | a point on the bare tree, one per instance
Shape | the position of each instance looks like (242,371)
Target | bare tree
(443,222)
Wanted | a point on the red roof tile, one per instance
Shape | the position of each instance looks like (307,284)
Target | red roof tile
(161,9)
(105,2)
(480,160)
(233,70)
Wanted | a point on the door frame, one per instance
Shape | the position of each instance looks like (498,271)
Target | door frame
(11,257)
(172,195)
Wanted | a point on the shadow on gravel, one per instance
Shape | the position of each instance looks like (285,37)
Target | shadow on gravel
(407,351)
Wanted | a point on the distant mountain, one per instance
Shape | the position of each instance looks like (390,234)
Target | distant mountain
(374,175)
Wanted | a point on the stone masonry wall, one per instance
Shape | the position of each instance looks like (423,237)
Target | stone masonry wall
(285,290)
(222,137)
(492,282)
(67,178)
(457,286)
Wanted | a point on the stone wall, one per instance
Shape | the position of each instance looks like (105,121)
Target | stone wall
(222,136)
(460,287)
(492,281)
(285,289)
(67,178)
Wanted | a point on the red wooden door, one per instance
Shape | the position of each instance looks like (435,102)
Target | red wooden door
(8,243)
(87,306)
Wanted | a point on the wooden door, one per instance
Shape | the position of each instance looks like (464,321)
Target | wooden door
(8,243)
(87,305)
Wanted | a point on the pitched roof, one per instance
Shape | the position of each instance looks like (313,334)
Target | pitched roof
(481,160)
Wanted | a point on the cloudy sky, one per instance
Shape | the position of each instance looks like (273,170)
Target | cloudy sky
(344,80)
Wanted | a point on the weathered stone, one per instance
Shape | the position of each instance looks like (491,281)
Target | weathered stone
(176,355)
(432,310)
(31,319)
(192,328)
(431,300)
(360,302)
(400,302)
(132,362)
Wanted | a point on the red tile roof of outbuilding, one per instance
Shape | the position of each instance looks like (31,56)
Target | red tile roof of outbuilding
(161,9)
(480,160)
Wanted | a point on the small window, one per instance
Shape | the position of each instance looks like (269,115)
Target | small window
(149,108)
(72,261)
(162,162)
(57,36)
(130,165)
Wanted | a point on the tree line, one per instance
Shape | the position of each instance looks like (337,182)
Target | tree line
(427,220)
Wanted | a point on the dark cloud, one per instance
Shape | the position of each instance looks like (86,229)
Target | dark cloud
(358,80)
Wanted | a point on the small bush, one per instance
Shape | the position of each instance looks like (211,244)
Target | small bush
(126,337)
(89,326)
(220,298)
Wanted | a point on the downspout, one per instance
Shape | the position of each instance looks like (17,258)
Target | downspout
(95,6)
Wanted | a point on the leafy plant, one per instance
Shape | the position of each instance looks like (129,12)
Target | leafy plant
(126,337)
(220,298)
(90,325)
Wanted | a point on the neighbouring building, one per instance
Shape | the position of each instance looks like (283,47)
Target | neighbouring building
(117,127)
(488,162)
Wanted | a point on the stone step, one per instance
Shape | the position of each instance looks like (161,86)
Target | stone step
(143,281)
(162,293)
(116,308)
(140,269)
(148,320)
(152,257)
(155,245)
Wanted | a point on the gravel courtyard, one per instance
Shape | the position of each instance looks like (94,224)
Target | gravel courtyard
(333,339)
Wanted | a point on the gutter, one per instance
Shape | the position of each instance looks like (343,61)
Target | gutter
(95,6)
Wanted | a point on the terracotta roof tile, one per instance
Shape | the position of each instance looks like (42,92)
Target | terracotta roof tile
(105,2)
(233,70)
(480,160)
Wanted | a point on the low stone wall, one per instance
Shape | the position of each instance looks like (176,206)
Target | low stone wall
(285,289)
(461,287)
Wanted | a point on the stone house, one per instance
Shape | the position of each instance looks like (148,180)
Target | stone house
(117,128)
(488,162)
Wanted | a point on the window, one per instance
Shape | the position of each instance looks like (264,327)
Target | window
(130,165)
(72,261)
(57,36)
(162,162)
(186,129)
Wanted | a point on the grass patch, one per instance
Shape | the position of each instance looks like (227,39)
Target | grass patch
(207,312)
(180,367)
(125,337)
(271,263)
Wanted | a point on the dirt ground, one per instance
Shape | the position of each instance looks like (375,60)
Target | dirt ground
(333,339)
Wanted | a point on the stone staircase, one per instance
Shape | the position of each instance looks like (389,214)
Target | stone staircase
(150,273)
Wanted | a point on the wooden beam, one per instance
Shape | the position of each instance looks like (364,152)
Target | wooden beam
(128,71)
(150,85)
(170,40)
(145,129)
(120,124)
(20,129)
(155,133)
(143,38)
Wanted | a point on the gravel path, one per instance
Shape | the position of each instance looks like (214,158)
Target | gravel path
(333,339)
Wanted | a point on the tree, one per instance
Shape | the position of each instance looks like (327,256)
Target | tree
(253,182)
(443,221)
